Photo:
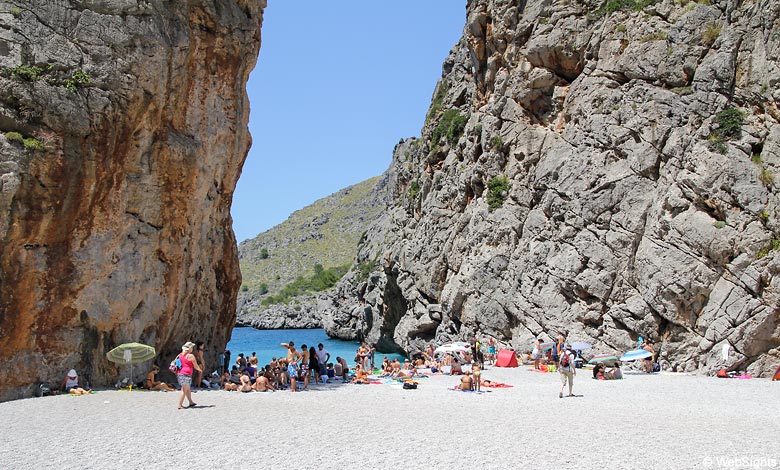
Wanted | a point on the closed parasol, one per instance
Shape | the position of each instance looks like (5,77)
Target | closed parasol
(603,358)
(130,353)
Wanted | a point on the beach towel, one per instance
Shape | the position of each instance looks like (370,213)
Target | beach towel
(777,375)
(496,385)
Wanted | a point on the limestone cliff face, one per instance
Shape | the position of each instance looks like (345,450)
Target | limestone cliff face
(124,129)
(596,173)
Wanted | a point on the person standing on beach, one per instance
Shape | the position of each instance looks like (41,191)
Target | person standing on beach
(371,353)
(322,355)
(537,354)
(566,369)
(226,359)
(491,342)
(198,353)
(647,363)
(558,349)
(292,353)
(314,364)
(292,371)
(188,364)
(304,367)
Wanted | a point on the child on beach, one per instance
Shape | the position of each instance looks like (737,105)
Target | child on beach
(476,373)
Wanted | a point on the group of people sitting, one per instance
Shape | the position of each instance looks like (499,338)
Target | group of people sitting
(603,372)
(395,370)
(297,368)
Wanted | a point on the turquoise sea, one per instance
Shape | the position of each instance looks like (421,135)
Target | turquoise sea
(266,343)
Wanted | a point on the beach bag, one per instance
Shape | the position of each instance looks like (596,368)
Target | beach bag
(175,365)
(43,389)
(565,360)
(410,386)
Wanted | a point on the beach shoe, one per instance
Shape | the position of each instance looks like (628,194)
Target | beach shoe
(192,405)
(560,395)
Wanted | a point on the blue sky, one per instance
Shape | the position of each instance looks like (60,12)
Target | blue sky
(336,86)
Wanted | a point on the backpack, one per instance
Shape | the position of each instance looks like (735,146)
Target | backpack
(43,389)
(175,365)
(565,359)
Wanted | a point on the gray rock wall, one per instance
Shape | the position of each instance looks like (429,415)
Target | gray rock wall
(632,206)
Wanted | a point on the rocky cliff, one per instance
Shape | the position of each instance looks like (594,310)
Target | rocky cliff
(124,129)
(326,232)
(598,169)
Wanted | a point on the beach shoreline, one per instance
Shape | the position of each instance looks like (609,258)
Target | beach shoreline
(643,421)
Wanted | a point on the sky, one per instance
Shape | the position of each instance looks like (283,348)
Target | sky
(336,86)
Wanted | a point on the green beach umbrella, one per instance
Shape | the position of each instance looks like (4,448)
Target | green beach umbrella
(130,353)
(603,358)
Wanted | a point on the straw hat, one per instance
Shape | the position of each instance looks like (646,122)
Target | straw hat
(188,345)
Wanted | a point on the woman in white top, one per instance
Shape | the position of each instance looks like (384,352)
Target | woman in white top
(71,384)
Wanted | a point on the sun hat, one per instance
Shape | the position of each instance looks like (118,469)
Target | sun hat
(188,345)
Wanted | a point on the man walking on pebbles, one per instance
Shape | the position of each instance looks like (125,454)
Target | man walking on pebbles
(566,369)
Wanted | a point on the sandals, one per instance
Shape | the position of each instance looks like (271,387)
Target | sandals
(192,405)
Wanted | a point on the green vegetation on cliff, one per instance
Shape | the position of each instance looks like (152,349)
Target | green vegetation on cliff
(321,280)
(281,263)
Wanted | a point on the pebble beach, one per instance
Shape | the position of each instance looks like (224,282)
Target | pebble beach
(659,421)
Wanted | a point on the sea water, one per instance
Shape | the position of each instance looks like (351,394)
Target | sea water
(267,344)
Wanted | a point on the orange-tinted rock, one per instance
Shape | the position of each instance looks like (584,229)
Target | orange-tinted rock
(119,229)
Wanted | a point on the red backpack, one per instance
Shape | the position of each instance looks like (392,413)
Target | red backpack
(565,360)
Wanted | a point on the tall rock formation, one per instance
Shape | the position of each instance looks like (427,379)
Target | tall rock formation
(124,129)
(602,170)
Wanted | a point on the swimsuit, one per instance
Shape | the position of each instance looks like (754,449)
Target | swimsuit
(304,370)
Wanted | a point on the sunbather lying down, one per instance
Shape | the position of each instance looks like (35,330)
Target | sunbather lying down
(493,384)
